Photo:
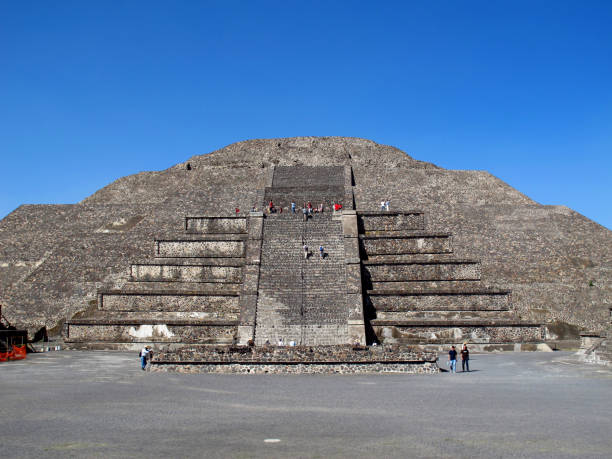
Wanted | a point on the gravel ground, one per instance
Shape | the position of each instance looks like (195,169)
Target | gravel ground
(100,404)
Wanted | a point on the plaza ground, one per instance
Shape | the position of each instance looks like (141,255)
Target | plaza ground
(100,404)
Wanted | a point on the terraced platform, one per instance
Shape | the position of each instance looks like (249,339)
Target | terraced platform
(255,294)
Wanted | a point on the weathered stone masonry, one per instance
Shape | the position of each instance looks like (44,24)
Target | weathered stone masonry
(408,276)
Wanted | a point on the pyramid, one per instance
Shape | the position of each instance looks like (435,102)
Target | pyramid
(191,256)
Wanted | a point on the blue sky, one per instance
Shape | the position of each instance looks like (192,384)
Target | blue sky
(93,91)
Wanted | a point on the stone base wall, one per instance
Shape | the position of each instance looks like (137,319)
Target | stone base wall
(445,315)
(146,333)
(472,334)
(185,273)
(390,221)
(405,245)
(301,368)
(441,302)
(216,225)
(206,248)
(422,271)
(122,301)
(296,359)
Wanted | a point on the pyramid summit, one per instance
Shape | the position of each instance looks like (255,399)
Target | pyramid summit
(177,256)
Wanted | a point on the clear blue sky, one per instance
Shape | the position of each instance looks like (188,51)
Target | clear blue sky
(92,91)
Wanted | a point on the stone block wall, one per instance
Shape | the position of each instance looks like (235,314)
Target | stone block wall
(298,359)
(308,177)
(412,244)
(440,301)
(422,271)
(185,273)
(448,333)
(371,221)
(199,248)
(148,302)
(151,333)
(216,225)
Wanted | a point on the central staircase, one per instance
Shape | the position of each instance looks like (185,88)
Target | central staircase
(301,300)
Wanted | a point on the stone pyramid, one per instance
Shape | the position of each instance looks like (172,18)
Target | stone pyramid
(181,256)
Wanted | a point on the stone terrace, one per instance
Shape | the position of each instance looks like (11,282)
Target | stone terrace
(189,293)
(416,292)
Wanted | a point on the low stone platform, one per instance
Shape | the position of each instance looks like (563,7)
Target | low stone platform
(296,359)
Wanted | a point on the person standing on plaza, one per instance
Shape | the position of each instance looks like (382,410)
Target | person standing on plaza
(305,252)
(452,359)
(143,357)
(465,358)
(321,251)
(293,207)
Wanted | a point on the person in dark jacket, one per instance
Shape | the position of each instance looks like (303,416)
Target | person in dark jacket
(452,359)
(465,358)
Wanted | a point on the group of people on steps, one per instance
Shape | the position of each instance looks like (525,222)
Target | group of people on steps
(307,208)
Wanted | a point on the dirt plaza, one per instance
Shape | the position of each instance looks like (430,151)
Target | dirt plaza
(101,404)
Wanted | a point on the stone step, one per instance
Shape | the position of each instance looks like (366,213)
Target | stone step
(409,257)
(143,320)
(167,272)
(474,332)
(229,247)
(202,288)
(302,300)
(476,322)
(376,221)
(195,261)
(308,176)
(424,270)
(173,236)
(437,315)
(118,331)
(283,197)
(166,300)
(425,286)
(137,346)
(303,335)
(165,316)
(475,299)
(215,225)
(419,243)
